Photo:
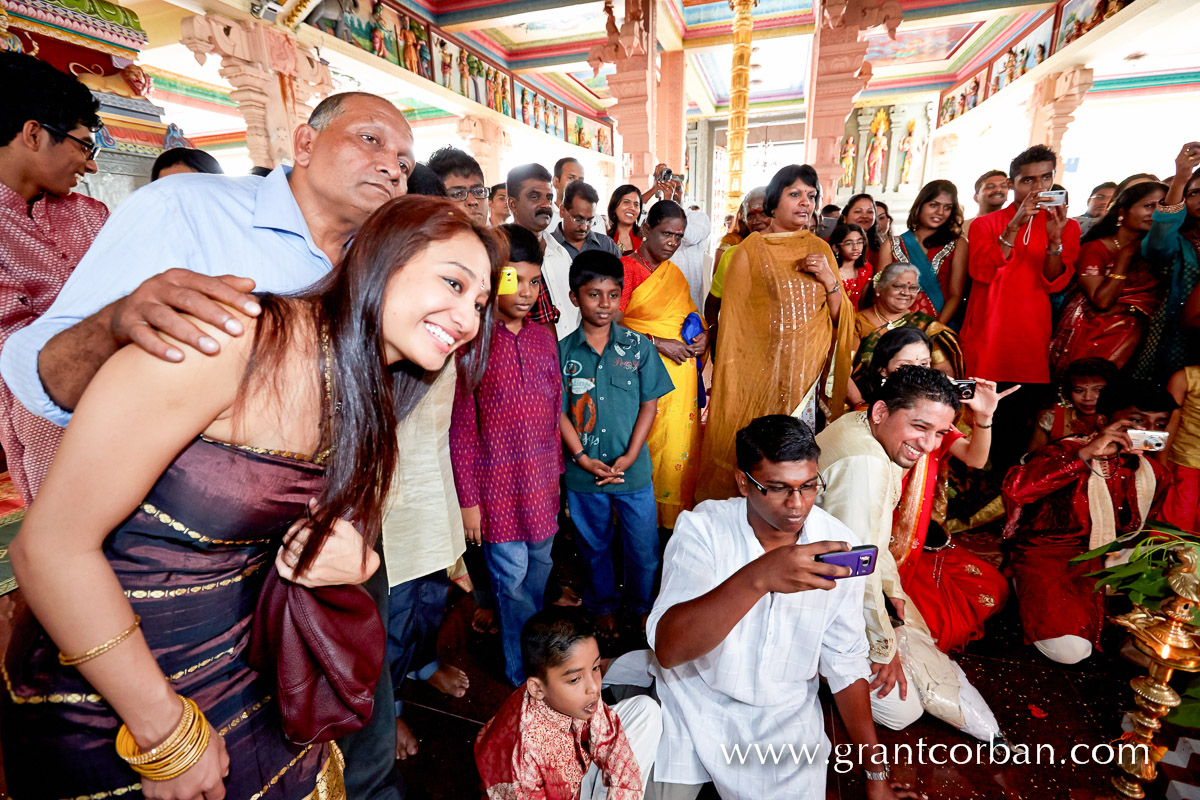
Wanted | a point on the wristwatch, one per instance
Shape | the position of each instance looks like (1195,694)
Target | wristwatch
(575,458)
(879,776)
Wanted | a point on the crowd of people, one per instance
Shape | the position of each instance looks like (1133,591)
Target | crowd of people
(362,371)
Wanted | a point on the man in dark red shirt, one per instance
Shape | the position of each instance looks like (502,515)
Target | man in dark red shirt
(1019,256)
(46,144)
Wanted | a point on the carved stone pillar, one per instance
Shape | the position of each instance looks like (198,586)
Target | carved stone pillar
(1052,108)
(836,75)
(487,142)
(273,78)
(672,108)
(941,152)
(635,88)
(898,117)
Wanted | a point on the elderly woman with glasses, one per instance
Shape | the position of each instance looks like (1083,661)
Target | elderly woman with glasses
(896,290)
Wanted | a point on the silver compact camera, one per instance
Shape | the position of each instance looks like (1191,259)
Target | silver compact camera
(1148,441)
(1057,197)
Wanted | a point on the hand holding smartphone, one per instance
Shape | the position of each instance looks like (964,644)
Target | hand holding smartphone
(860,560)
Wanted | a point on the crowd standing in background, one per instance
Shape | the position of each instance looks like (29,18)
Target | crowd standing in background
(359,372)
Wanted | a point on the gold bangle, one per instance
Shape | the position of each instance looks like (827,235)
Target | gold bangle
(1116,277)
(71,661)
(125,738)
(1170,209)
(178,753)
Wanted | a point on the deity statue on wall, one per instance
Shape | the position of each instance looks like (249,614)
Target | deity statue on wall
(909,146)
(602,141)
(378,26)
(877,149)
(537,111)
(10,42)
(447,62)
(464,76)
(410,48)
(524,106)
(1010,66)
(505,105)
(1023,61)
(554,113)
(1114,6)
(1039,54)
(848,157)
(426,57)
(973,94)
(995,85)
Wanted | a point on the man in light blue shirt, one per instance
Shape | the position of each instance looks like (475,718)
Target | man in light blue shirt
(281,232)
(167,251)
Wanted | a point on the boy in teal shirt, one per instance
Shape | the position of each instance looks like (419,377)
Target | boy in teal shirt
(612,379)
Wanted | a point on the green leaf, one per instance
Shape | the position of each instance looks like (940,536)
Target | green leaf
(1186,714)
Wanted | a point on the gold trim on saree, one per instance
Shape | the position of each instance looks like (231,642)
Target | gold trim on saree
(174,524)
(158,594)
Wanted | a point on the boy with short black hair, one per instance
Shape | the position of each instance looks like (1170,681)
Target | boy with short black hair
(555,738)
(613,378)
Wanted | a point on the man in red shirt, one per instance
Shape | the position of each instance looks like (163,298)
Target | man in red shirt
(1019,256)
(46,144)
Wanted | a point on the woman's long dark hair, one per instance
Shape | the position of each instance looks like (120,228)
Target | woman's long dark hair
(873,232)
(615,201)
(839,234)
(1108,224)
(368,396)
(952,228)
(886,348)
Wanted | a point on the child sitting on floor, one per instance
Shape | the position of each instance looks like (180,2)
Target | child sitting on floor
(555,738)
(1075,412)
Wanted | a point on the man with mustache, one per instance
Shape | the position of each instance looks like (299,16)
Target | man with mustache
(864,456)
(991,193)
(530,199)
(279,233)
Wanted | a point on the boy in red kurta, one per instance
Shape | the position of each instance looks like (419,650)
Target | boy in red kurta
(555,738)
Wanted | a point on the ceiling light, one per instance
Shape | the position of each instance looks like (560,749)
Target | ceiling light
(1136,55)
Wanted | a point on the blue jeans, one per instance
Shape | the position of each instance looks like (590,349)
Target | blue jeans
(519,571)
(415,611)
(637,513)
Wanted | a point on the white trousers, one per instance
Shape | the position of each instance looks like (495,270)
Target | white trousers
(1065,649)
(641,719)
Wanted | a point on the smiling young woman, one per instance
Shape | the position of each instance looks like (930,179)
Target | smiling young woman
(935,245)
(151,565)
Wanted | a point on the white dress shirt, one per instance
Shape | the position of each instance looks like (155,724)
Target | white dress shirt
(759,686)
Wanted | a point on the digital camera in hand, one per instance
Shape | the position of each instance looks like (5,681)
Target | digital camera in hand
(1148,441)
(1056,197)
(965,388)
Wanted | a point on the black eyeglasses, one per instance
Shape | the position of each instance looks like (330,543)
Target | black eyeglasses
(91,148)
(461,192)
(807,490)
(581,221)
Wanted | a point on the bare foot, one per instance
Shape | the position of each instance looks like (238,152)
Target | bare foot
(406,742)
(568,598)
(484,621)
(449,680)
(606,627)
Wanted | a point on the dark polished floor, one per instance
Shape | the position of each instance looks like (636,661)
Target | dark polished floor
(1037,703)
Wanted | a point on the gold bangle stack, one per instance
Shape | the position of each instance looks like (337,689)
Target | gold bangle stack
(176,754)
(71,661)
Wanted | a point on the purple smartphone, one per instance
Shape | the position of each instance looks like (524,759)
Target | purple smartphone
(860,560)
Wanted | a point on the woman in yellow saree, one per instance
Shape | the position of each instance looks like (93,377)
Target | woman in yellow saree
(785,323)
(660,307)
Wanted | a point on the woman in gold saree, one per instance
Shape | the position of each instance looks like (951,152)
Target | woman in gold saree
(781,329)
(661,307)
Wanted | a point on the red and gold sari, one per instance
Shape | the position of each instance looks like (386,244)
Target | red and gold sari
(954,589)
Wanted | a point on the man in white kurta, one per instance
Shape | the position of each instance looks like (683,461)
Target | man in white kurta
(747,630)
(863,459)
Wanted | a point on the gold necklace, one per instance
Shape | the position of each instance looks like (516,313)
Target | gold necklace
(887,323)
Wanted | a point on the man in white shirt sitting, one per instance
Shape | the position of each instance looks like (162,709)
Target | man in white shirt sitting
(741,639)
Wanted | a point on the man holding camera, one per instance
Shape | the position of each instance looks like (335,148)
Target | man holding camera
(1019,256)
(864,458)
(666,187)
(1076,495)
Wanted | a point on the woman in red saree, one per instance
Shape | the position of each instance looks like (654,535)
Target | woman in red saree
(1118,292)
(954,590)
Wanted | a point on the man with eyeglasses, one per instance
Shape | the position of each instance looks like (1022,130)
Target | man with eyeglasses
(463,178)
(573,235)
(47,122)
(741,638)
(864,458)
